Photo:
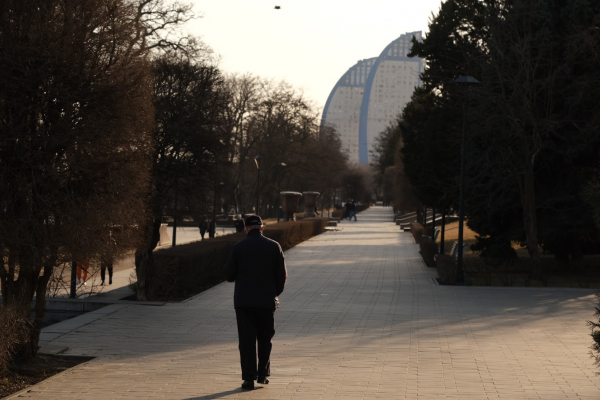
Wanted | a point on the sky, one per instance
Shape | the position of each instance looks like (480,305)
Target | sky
(308,43)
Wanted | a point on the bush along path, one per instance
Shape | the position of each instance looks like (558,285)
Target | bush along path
(186,270)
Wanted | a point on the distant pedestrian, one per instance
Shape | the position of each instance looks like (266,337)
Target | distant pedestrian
(212,228)
(257,266)
(348,211)
(203,227)
(107,260)
(83,266)
(352,210)
(239,224)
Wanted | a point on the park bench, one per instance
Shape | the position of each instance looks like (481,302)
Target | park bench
(454,250)
(436,233)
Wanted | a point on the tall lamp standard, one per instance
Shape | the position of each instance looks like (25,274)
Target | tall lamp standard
(281,165)
(258,160)
(217,191)
(467,81)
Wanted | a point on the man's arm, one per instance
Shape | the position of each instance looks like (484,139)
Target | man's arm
(280,273)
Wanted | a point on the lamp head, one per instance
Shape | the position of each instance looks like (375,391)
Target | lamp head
(258,160)
(466,79)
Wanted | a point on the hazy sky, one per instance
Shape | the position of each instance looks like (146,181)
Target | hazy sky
(308,43)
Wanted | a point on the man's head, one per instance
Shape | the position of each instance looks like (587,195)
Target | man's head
(253,222)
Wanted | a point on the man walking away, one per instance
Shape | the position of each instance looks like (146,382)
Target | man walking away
(353,210)
(348,210)
(203,227)
(239,223)
(212,228)
(257,267)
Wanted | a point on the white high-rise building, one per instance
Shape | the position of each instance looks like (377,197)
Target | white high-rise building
(371,95)
(342,109)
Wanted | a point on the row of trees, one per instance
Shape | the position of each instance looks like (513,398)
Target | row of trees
(275,121)
(532,143)
(209,128)
(110,120)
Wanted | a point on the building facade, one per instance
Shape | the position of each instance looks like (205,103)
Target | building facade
(342,109)
(371,95)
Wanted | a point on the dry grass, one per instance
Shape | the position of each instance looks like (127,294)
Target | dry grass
(583,273)
(451,236)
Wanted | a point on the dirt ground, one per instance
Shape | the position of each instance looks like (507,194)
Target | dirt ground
(43,367)
(574,274)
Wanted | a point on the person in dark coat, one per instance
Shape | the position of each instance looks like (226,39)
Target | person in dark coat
(239,224)
(348,207)
(257,266)
(107,260)
(211,228)
(203,227)
(352,210)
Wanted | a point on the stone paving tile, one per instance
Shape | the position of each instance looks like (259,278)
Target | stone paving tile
(361,318)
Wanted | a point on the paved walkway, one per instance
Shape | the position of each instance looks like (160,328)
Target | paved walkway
(361,318)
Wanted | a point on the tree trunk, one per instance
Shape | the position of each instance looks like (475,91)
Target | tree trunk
(144,261)
(19,295)
(40,307)
(527,189)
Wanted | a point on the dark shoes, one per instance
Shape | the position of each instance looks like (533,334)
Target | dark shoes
(248,385)
(263,380)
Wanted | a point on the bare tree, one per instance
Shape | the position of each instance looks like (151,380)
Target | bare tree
(245,93)
(75,119)
(190,100)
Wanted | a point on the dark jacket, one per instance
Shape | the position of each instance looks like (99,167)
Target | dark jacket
(239,225)
(257,267)
(203,225)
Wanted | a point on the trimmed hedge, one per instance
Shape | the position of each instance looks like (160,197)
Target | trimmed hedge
(428,250)
(418,231)
(186,270)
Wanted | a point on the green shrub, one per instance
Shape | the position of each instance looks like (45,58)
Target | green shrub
(186,270)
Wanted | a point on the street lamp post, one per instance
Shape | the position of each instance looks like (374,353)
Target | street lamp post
(217,194)
(467,81)
(281,165)
(258,160)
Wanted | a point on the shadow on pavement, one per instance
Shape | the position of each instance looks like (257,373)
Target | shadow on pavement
(220,394)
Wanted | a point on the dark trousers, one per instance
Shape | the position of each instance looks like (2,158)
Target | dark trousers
(255,325)
(103,267)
